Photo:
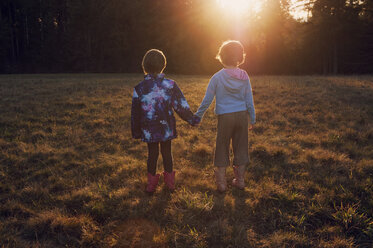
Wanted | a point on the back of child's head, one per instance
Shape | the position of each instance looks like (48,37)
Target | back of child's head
(231,53)
(154,62)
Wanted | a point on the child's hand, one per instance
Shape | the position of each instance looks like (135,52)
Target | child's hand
(195,121)
(251,126)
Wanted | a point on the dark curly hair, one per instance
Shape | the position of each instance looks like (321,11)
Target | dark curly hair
(231,53)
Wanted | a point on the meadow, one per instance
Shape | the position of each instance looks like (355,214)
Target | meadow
(72,176)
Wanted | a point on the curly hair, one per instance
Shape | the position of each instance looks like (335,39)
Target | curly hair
(231,53)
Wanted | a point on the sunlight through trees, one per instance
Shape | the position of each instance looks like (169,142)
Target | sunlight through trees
(280,36)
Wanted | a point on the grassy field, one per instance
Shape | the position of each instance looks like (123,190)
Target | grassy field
(72,176)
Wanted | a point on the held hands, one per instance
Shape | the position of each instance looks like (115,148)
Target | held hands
(195,121)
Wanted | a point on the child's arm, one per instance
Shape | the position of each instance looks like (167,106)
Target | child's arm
(207,100)
(181,106)
(135,116)
(250,103)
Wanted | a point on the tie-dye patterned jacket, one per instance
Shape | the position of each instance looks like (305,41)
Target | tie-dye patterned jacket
(153,102)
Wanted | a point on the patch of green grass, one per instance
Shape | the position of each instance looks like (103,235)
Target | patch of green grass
(72,176)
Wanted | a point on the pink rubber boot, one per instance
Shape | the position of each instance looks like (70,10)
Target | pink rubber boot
(152,182)
(169,179)
(239,174)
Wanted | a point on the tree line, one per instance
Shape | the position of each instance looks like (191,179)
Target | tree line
(51,36)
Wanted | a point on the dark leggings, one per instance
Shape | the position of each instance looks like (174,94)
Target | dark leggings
(153,152)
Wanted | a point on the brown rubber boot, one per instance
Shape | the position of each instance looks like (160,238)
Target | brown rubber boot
(239,174)
(221,182)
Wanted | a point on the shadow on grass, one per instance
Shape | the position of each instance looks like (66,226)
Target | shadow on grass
(144,223)
(307,197)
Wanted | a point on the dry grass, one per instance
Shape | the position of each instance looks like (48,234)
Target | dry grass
(71,176)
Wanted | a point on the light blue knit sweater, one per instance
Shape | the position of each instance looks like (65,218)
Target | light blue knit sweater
(232,95)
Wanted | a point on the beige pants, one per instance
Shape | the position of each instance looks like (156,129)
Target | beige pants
(232,126)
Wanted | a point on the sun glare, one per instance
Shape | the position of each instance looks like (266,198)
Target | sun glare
(239,7)
(298,10)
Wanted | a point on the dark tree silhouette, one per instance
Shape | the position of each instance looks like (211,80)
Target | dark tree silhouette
(112,35)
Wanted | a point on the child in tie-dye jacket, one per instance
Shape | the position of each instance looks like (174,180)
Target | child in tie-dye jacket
(152,120)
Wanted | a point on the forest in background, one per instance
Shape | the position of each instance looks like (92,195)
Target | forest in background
(53,36)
